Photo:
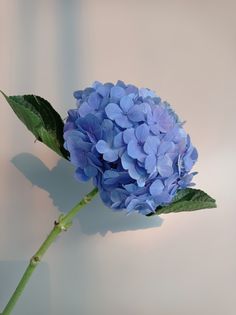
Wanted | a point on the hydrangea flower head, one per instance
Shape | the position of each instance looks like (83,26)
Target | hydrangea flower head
(131,143)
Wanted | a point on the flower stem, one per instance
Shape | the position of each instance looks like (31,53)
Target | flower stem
(63,223)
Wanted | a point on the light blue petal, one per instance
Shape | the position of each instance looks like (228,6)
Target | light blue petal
(131,89)
(110,155)
(126,161)
(146,93)
(151,145)
(166,122)
(113,111)
(142,132)
(104,90)
(128,135)
(96,84)
(150,163)
(117,92)
(123,121)
(135,114)
(118,140)
(165,147)
(134,150)
(102,146)
(156,188)
(164,166)
(126,103)
(155,129)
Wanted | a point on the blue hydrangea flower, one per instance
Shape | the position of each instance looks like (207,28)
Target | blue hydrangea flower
(131,143)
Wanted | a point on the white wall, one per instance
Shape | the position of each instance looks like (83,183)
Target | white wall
(108,263)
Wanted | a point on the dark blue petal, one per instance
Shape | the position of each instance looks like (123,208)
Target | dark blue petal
(84,109)
(94,100)
(80,175)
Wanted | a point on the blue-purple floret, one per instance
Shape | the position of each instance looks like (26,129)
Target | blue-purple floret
(131,143)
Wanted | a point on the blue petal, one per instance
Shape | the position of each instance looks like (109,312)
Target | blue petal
(166,122)
(126,161)
(135,151)
(96,85)
(117,92)
(123,121)
(78,94)
(77,157)
(90,171)
(104,90)
(194,154)
(113,111)
(165,197)
(146,92)
(110,155)
(142,132)
(151,145)
(128,135)
(131,89)
(94,100)
(102,146)
(135,114)
(118,140)
(131,188)
(126,103)
(165,147)
(91,125)
(84,109)
(164,166)
(150,163)
(155,129)
(80,175)
(107,131)
(156,188)
(121,83)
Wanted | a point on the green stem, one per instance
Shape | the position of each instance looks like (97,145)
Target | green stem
(63,223)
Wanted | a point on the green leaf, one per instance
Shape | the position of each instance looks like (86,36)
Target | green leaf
(188,200)
(41,119)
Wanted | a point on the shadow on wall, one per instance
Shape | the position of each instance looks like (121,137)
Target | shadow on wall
(65,192)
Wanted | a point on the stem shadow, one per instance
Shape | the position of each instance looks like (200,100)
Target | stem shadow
(65,192)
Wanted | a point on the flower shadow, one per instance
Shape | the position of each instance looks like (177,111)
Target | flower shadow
(65,192)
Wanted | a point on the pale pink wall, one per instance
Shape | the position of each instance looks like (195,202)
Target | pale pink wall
(108,264)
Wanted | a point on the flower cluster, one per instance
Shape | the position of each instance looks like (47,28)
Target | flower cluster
(131,143)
